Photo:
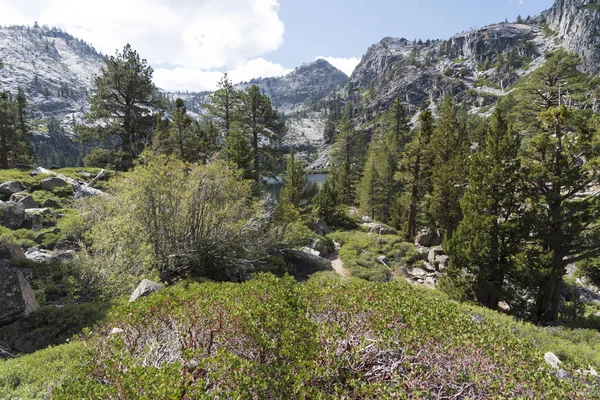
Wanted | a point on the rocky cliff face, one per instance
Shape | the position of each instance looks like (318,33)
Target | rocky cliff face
(476,67)
(56,72)
(577,24)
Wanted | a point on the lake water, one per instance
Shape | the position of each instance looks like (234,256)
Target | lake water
(274,185)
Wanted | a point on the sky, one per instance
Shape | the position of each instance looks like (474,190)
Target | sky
(191,43)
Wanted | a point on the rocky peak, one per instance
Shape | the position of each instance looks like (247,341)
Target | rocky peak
(307,84)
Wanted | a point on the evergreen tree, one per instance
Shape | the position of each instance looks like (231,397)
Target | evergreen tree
(181,128)
(123,105)
(295,186)
(224,104)
(23,124)
(328,202)
(399,129)
(14,146)
(349,152)
(370,190)
(450,148)
(489,236)
(262,122)
(237,150)
(416,171)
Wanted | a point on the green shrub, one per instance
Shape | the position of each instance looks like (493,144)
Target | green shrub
(327,339)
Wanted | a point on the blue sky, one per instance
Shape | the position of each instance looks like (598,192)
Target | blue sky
(337,28)
(191,43)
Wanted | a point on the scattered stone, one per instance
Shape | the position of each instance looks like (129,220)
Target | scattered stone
(320,227)
(311,251)
(49,203)
(428,267)
(434,253)
(16,295)
(416,272)
(441,262)
(116,331)
(318,245)
(11,252)
(503,306)
(12,215)
(430,281)
(49,184)
(552,360)
(34,222)
(41,256)
(145,288)
(9,188)
(67,245)
(24,198)
(428,238)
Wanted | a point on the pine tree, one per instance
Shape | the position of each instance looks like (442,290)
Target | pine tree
(349,153)
(181,127)
(224,104)
(238,151)
(560,163)
(123,105)
(416,171)
(261,121)
(449,147)
(489,236)
(14,145)
(370,190)
(295,186)
(328,202)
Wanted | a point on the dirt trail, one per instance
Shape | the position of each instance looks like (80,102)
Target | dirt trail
(336,262)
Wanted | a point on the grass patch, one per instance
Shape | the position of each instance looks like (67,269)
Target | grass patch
(360,253)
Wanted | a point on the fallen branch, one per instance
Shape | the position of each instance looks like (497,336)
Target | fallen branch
(97,178)
(79,189)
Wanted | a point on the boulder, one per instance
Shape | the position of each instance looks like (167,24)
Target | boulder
(12,215)
(320,227)
(49,184)
(16,295)
(434,253)
(552,360)
(41,256)
(11,252)
(34,222)
(311,251)
(66,245)
(428,267)
(441,262)
(428,238)
(303,264)
(145,288)
(9,188)
(320,246)
(49,203)
(416,272)
(379,229)
(24,198)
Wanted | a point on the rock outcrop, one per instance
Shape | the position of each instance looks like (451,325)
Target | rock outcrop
(145,288)
(16,295)
(12,215)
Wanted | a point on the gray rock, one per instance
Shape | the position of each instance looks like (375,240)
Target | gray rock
(116,331)
(34,222)
(49,203)
(314,252)
(441,262)
(428,238)
(416,272)
(16,295)
(24,198)
(67,245)
(428,267)
(433,254)
(11,252)
(9,188)
(318,245)
(12,215)
(145,288)
(302,264)
(320,227)
(49,184)
(552,360)
(41,256)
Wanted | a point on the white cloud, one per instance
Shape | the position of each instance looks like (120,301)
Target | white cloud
(190,39)
(346,65)
(198,80)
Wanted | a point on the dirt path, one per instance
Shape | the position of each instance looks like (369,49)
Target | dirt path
(336,262)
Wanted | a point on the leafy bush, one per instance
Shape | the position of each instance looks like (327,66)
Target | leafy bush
(328,338)
(176,218)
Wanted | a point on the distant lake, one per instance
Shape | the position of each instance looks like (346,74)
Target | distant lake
(274,185)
